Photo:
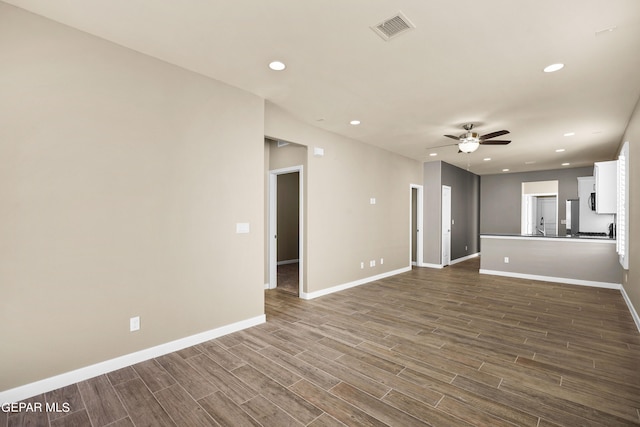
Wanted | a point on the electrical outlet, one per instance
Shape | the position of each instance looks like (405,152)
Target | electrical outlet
(506,260)
(465,248)
(381,261)
(372,263)
(361,265)
(134,324)
(372,200)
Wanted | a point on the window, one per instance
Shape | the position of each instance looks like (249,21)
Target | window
(622,231)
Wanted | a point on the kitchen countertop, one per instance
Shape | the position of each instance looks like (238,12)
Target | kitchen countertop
(549,236)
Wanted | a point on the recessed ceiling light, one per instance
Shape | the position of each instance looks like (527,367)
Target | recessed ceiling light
(505,170)
(605,30)
(566,164)
(553,67)
(433,154)
(560,150)
(277,65)
(355,122)
(569,134)
(486,159)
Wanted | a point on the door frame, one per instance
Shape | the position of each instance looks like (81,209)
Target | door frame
(273,226)
(526,212)
(419,223)
(444,242)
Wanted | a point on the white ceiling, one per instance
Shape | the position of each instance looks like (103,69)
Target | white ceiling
(465,61)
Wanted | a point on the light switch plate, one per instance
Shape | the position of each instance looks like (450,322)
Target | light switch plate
(134,324)
(242,227)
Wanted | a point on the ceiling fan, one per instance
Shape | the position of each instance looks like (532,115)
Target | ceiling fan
(469,141)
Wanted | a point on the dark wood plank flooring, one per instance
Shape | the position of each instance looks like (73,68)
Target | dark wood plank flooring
(443,347)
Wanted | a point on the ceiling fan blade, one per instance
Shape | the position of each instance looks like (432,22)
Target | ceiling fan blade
(457,138)
(495,142)
(440,146)
(494,134)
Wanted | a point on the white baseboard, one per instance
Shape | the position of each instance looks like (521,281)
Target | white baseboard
(355,283)
(429,265)
(632,309)
(52,383)
(455,261)
(288,261)
(464,258)
(566,280)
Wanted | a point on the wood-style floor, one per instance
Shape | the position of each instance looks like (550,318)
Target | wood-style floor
(429,347)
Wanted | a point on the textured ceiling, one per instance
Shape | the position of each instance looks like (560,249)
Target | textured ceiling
(465,61)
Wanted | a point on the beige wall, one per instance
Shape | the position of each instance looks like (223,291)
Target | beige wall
(432,225)
(288,216)
(121,181)
(343,228)
(631,280)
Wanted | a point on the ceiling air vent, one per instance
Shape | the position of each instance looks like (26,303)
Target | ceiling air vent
(393,26)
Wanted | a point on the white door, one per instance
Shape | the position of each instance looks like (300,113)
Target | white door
(416,221)
(446,225)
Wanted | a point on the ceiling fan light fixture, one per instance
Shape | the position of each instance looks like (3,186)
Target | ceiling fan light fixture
(469,142)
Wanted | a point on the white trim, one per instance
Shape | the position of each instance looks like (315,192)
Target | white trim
(464,258)
(273,226)
(419,262)
(266,286)
(552,239)
(446,243)
(429,265)
(353,284)
(566,280)
(53,383)
(288,261)
(634,313)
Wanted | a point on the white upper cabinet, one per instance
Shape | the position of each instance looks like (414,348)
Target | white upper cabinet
(605,174)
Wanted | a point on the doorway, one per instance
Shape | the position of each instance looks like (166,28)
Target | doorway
(286,258)
(416,221)
(446,225)
(540,215)
(539,208)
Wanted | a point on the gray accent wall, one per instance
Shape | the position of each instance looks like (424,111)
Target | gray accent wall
(501,197)
(465,211)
